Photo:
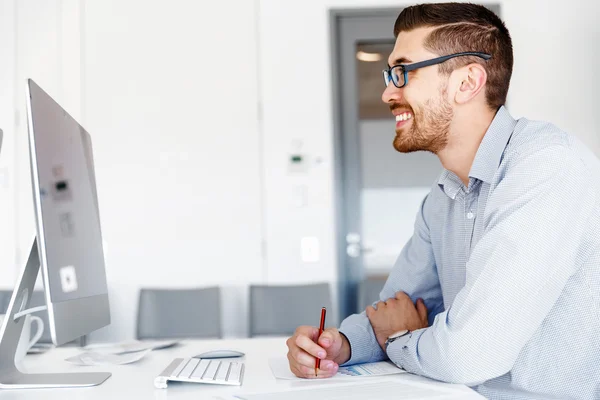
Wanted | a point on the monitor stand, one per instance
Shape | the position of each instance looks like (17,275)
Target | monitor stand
(10,333)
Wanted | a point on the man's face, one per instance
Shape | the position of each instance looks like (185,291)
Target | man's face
(422,109)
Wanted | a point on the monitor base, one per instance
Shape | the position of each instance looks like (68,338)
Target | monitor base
(10,334)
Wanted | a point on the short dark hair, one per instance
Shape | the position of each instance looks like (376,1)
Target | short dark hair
(465,27)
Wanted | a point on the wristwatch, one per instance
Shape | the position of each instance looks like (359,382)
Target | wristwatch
(395,336)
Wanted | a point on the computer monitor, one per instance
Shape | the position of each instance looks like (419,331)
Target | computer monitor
(68,244)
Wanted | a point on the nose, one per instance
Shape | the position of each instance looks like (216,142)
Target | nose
(391,94)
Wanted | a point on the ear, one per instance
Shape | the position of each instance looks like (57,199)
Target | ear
(472,79)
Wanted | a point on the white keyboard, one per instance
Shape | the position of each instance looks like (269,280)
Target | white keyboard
(201,371)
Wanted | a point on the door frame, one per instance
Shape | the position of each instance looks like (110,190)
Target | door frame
(346,146)
(346,143)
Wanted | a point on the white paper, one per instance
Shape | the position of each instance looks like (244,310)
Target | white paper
(381,390)
(130,347)
(281,370)
(95,358)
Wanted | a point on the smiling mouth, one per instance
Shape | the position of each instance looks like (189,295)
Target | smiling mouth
(402,119)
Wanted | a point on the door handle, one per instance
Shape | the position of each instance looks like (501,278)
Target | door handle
(354,250)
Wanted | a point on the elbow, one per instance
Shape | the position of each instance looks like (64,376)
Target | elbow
(472,369)
(466,375)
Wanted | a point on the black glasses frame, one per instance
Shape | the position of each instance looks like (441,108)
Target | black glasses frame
(388,74)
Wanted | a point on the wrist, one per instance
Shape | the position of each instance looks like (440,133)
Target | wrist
(382,338)
(345,351)
(393,337)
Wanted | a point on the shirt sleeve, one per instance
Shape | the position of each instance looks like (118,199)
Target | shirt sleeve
(414,273)
(530,248)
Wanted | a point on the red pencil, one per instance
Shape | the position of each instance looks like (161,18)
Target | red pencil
(321,327)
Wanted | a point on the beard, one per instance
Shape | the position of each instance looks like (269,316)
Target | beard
(430,128)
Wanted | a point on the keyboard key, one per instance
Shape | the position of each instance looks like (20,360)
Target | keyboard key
(199,371)
(235,372)
(211,371)
(180,367)
(189,368)
(222,372)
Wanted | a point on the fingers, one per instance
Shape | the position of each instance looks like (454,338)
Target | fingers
(422,310)
(327,370)
(302,352)
(307,330)
(329,337)
(402,296)
(306,345)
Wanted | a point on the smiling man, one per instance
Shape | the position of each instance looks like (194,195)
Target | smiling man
(499,286)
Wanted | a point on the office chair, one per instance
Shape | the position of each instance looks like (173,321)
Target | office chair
(279,310)
(179,313)
(37,299)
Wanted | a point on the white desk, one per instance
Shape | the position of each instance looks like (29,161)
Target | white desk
(136,381)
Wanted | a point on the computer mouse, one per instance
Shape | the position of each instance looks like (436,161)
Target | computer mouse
(220,354)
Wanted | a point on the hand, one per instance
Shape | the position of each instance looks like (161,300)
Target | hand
(395,315)
(332,348)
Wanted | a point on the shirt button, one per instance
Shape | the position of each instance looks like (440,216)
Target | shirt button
(470,215)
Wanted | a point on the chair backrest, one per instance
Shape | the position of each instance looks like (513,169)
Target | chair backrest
(369,290)
(279,310)
(179,313)
(4,300)
(37,299)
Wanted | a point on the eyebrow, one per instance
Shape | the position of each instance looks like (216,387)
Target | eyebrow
(402,60)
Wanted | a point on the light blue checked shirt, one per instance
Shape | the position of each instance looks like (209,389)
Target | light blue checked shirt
(509,268)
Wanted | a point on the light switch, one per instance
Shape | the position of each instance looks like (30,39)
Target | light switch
(309,249)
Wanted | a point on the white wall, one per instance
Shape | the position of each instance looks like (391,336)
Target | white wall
(296,89)
(7,195)
(181,148)
(170,94)
(175,135)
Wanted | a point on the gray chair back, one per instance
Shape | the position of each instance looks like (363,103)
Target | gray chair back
(37,299)
(369,290)
(279,310)
(4,300)
(179,313)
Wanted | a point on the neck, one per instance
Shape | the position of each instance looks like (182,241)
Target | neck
(466,133)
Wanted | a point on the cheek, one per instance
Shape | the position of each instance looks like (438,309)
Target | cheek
(413,99)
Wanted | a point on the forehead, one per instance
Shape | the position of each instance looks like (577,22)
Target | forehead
(409,47)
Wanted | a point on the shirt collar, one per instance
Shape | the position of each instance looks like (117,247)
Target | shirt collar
(492,146)
(488,156)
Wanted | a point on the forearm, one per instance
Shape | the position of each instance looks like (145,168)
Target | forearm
(362,344)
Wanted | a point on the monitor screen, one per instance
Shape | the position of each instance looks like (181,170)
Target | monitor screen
(67,217)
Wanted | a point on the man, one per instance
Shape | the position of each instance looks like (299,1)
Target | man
(499,287)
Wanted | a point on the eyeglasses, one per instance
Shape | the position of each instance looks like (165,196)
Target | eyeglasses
(398,74)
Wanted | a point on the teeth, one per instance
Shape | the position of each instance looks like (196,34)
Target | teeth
(403,117)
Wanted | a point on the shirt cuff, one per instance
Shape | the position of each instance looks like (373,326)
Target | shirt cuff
(361,346)
(399,350)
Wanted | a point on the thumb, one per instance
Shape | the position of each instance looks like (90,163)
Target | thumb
(327,338)
(421,309)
